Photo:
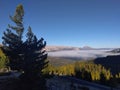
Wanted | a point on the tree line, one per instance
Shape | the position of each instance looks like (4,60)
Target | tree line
(85,70)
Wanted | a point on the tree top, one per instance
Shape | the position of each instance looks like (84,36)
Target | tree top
(20,9)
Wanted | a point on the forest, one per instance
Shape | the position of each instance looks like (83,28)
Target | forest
(86,70)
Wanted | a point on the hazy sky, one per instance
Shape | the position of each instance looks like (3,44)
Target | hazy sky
(94,23)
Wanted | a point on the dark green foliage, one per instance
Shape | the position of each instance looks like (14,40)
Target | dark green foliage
(34,55)
(12,41)
(26,56)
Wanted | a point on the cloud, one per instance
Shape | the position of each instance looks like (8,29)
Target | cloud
(80,54)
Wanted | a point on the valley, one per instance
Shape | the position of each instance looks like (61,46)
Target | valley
(75,53)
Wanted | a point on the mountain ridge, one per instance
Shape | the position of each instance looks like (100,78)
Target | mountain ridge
(51,48)
(59,48)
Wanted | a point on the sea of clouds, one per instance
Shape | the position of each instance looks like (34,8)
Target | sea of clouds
(80,54)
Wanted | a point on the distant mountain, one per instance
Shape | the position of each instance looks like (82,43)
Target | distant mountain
(87,48)
(91,48)
(60,48)
(115,50)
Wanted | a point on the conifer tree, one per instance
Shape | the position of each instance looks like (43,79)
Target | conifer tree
(34,55)
(27,56)
(12,39)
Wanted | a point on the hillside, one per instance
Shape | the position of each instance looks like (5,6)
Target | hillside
(110,62)
(56,61)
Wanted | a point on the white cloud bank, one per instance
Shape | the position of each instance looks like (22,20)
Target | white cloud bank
(80,54)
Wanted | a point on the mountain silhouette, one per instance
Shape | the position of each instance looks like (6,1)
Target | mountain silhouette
(110,62)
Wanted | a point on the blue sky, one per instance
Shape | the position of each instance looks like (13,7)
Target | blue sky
(94,23)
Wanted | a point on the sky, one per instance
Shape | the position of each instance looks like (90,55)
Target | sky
(79,23)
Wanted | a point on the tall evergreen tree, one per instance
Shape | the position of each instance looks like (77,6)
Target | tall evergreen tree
(34,55)
(27,56)
(12,39)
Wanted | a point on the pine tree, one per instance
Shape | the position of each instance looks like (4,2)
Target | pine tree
(27,56)
(34,55)
(12,39)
